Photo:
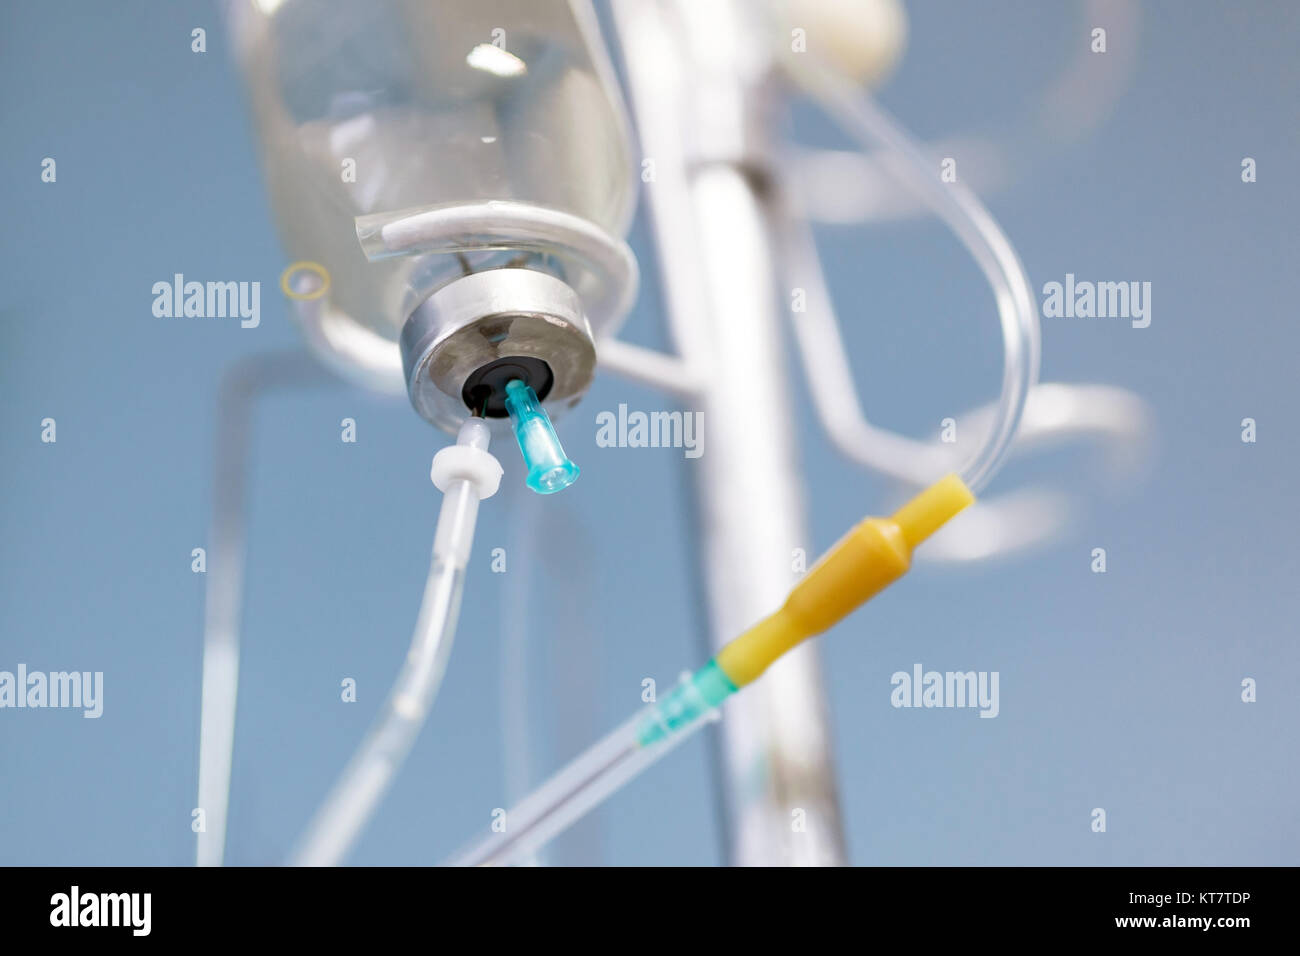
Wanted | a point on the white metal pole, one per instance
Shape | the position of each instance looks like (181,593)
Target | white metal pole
(697,94)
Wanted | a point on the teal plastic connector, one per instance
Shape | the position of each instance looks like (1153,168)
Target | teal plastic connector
(549,469)
(686,703)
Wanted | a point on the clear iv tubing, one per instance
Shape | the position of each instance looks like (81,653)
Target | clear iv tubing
(965,215)
(372,768)
(598,772)
(617,758)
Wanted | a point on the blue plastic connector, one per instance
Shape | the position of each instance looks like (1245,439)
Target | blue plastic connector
(686,703)
(549,469)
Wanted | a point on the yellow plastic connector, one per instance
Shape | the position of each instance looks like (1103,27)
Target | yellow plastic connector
(875,554)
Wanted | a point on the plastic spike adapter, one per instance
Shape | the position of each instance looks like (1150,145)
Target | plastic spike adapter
(875,554)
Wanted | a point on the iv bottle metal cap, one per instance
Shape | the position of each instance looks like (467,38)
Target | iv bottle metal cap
(483,318)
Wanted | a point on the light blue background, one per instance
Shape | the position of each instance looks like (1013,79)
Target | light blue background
(1118,691)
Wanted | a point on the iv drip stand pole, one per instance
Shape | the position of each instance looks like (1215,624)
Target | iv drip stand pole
(712,229)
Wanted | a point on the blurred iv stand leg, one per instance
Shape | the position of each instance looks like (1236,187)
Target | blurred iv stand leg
(243,385)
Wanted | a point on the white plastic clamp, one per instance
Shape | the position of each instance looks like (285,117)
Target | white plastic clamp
(467,463)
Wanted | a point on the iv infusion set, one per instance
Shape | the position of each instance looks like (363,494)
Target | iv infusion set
(453,180)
